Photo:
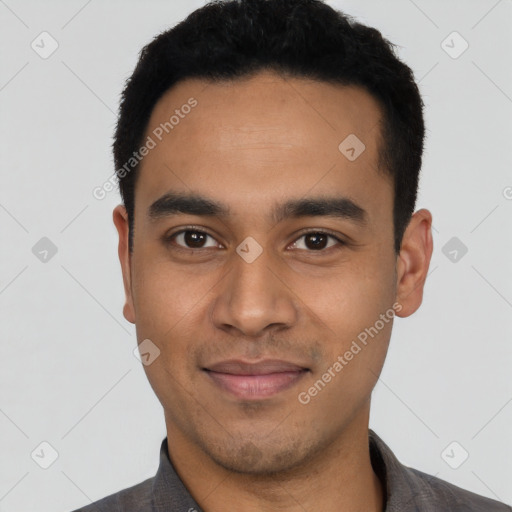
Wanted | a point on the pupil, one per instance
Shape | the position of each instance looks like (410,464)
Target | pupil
(194,239)
(318,240)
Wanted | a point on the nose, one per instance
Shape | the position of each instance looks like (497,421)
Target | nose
(254,298)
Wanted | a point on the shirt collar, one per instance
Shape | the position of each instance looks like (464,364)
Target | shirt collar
(169,492)
(405,490)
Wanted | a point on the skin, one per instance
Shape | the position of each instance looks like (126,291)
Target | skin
(249,144)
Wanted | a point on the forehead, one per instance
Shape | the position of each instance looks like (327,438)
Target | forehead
(263,138)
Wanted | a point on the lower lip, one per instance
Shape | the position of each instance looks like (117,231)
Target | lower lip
(254,387)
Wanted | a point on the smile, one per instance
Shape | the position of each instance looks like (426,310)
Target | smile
(255,381)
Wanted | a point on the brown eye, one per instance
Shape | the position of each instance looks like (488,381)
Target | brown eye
(316,241)
(192,239)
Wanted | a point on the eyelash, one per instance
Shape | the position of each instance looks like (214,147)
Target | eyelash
(169,239)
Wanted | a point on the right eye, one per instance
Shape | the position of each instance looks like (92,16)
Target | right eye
(191,239)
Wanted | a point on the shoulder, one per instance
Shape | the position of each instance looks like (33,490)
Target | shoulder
(408,489)
(132,499)
(436,494)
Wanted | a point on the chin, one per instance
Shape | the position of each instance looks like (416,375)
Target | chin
(262,459)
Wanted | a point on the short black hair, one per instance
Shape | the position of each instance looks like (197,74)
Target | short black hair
(230,39)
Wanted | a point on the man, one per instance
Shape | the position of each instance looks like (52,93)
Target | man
(268,155)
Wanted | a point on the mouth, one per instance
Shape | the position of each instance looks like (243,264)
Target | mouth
(255,381)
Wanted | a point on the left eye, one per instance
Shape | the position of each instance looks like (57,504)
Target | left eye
(316,241)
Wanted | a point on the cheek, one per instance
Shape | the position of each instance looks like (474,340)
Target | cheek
(350,298)
(355,346)
(167,304)
(167,297)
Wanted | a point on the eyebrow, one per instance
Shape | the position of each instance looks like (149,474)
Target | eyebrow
(338,207)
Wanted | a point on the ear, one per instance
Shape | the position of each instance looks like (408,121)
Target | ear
(120,217)
(413,262)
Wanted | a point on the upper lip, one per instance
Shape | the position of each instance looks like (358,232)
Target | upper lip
(267,366)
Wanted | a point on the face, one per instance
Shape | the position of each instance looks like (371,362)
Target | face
(262,254)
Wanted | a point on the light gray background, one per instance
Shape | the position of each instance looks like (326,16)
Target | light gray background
(68,375)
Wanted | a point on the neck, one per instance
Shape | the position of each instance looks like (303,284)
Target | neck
(340,478)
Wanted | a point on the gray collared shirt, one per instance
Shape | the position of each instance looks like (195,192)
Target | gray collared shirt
(407,490)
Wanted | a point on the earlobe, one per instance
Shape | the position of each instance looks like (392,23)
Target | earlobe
(120,218)
(413,262)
